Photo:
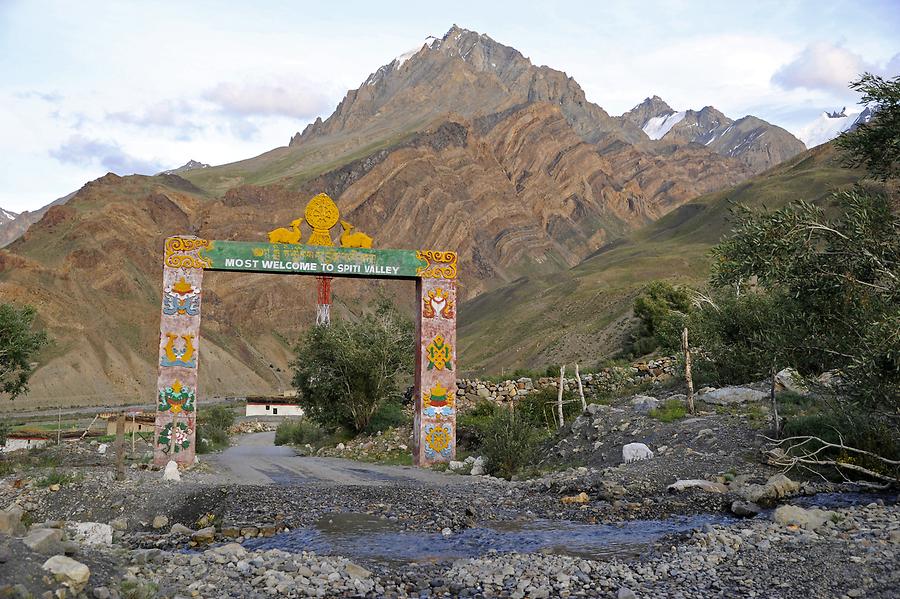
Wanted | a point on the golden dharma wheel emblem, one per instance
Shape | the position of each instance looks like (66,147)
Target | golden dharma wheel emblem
(321,213)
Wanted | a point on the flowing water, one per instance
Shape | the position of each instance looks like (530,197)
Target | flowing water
(369,537)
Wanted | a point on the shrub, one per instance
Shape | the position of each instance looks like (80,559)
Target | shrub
(509,443)
(346,371)
(388,415)
(470,424)
(55,477)
(298,432)
(5,427)
(539,408)
(670,411)
(220,416)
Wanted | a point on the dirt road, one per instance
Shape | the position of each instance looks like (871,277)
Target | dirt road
(254,459)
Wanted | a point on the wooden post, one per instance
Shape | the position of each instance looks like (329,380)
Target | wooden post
(580,388)
(775,405)
(59,425)
(120,446)
(687,369)
(559,402)
(133,430)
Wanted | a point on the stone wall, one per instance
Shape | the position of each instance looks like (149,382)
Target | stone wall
(605,380)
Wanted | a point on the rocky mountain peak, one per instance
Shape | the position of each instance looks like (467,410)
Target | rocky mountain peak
(6,215)
(187,166)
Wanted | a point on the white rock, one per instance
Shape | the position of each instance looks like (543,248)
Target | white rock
(446,532)
(341,447)
(644,403)
(160,521)
(454,465)
(636,451)
(732,395)
(73,574)
(235,550)
(171,472)
(478,466)
(809,519)
(92,533)
(789,379)
(705,485)
(101,449)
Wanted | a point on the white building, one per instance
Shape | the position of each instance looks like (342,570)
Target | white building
(16,441)
(272,406)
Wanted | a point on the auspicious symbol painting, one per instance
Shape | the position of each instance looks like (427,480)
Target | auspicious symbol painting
(176,398)
(439,354)
(181,298)
(177,255)
(179,356)
(438,440)
(182,437)
(440,265)
(438,402)
(321,213)
(437,301)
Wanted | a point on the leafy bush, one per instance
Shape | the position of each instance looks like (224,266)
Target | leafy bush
(388,415)
(509,443)
(670,411)
(346,371)
(661,309)
(298,432)
(470,424)
(213,428)
(539,407)
(5,427)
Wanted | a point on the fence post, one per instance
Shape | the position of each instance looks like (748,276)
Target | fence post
(120,446)
(559,402)
(687,369)
(580,389)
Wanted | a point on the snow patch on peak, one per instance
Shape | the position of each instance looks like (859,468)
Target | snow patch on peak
(6,215)
(658,126)
(404,57)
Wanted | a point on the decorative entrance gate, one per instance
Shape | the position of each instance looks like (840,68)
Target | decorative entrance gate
(187,257)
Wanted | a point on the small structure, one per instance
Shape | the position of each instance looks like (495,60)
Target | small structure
(135,422)
(17,440)
(272,406)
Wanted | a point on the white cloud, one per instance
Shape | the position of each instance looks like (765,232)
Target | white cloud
(299,100)
(822,66)
(84,151)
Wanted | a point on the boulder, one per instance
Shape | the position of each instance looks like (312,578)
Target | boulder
(71,573)
(644,403)
(171,472)
(704,485)
(745,509)
(732,395)
(120,524)
(230,550)
(181,529)
(160,521)
(92,533)
(204,536)
(625,593)
(356,572)
(790,380)
(44,540)
(580,498)
(777,487)
(11,521)
(454,465)
(792,515)
(636,451)
(101,449)
(478,466)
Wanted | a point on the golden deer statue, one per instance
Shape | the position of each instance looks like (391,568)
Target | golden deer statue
(349,239)
(282,235)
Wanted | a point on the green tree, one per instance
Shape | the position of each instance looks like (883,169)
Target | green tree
(831,288)
(875,144)
(662,308)
(346,371)
(19,344)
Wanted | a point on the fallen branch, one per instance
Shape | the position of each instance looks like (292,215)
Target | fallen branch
(795,452)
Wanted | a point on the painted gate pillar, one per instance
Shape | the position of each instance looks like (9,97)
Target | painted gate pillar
(179,345)
(434,435)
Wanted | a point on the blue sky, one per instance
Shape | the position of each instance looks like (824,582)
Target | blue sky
(91,87)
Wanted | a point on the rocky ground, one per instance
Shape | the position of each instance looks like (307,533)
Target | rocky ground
(208,535)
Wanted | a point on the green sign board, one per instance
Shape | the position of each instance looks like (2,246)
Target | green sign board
(283,258)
